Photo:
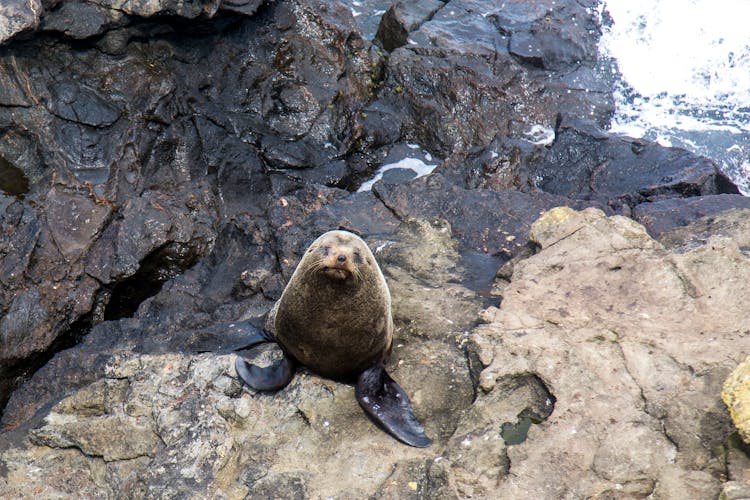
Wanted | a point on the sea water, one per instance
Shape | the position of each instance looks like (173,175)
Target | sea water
(683,76)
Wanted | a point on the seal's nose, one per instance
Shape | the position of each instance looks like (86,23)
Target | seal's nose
(341,258)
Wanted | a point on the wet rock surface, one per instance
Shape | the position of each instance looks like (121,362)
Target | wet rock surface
(164,165)
(663,215)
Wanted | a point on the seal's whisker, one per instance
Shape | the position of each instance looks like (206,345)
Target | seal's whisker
(313,266)
(357,273)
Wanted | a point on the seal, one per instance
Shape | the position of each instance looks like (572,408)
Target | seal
(334,317)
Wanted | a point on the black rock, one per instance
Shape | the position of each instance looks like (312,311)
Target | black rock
(588,164)
(403,18)
(496,223)
(582,162)
(663,215)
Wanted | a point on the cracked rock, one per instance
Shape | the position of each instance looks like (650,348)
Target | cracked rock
(617,326)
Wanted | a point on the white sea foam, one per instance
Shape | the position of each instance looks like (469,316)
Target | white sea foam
(685,67)
(682,53)
(418,166)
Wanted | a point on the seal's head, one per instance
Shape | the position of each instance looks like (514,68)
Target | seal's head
(337,256)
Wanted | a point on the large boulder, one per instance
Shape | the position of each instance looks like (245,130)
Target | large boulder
(17,16)
(616,327)
(580,161)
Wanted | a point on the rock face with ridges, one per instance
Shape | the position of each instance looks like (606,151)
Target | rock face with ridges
(460,82)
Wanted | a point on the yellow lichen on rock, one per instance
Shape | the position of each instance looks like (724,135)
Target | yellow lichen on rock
(560,222)
(736,395)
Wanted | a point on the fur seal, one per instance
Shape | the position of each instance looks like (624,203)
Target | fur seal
(334,317)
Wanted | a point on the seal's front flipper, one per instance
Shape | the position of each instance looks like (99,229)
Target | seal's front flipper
(227,337)
(255,336)
(389,406)
(269,378)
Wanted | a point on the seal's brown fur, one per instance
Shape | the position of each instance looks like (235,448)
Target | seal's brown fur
(334,315)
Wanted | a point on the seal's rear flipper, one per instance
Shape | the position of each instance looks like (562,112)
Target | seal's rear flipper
(389,406)
(269,378)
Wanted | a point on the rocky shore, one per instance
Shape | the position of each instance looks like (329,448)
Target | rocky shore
(568,303)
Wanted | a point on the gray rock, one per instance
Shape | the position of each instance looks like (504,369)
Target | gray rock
(664,187)
(17,16)
(735,490)
(675,483)
(81,20)
(112,438)
(147,8)
(661,216)
(585,163)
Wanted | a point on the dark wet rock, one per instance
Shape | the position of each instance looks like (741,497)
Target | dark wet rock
(367,14)
(495,223)
(582,162)
(44,294)
(132,159)
(661,216)
(461,86)
(279,102)
(500,165)
(382,124)
(71,103)
(552,37)
(81,20)
(148,224)
(401,19)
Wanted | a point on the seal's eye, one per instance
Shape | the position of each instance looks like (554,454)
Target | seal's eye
(357,258)
(325,250)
